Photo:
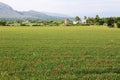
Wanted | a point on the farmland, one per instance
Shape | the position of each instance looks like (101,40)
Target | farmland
(59,53)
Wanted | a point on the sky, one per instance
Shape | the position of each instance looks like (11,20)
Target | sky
(104,8)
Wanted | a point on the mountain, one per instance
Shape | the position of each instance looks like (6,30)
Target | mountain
(7,12)
(56,14)
(37,15)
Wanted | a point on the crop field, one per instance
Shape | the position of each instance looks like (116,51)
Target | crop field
(59,53)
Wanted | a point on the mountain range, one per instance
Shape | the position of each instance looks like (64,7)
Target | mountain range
(7,12)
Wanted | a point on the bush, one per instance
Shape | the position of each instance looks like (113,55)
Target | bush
(24,25)
(110,22)
(118,24)
(3,23)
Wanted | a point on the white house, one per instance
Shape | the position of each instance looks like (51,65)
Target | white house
(81,21)
(75,22)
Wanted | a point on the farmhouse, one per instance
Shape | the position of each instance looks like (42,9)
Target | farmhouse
(67,22)
(83,21)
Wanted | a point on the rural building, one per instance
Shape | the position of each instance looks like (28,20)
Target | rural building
(83,21)
(67,22)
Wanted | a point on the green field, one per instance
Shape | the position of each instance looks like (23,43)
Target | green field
(59,53)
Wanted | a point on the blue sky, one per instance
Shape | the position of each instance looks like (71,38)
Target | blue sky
(69,7)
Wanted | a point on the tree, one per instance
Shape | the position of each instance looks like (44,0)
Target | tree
(90,21)
(77,18)
(97,18)
(85,17)
(3,23)
(118,22)
(101,22)
(110,22)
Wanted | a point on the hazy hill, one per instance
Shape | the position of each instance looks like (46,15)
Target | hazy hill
(7,12)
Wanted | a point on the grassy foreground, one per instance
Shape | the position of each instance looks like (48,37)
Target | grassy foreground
(59,53)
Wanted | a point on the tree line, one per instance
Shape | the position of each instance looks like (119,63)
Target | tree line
(108,21)
(31,22)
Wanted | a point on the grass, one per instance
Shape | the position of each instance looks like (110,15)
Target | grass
(59,53)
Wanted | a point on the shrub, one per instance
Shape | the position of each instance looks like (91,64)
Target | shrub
(118,24)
